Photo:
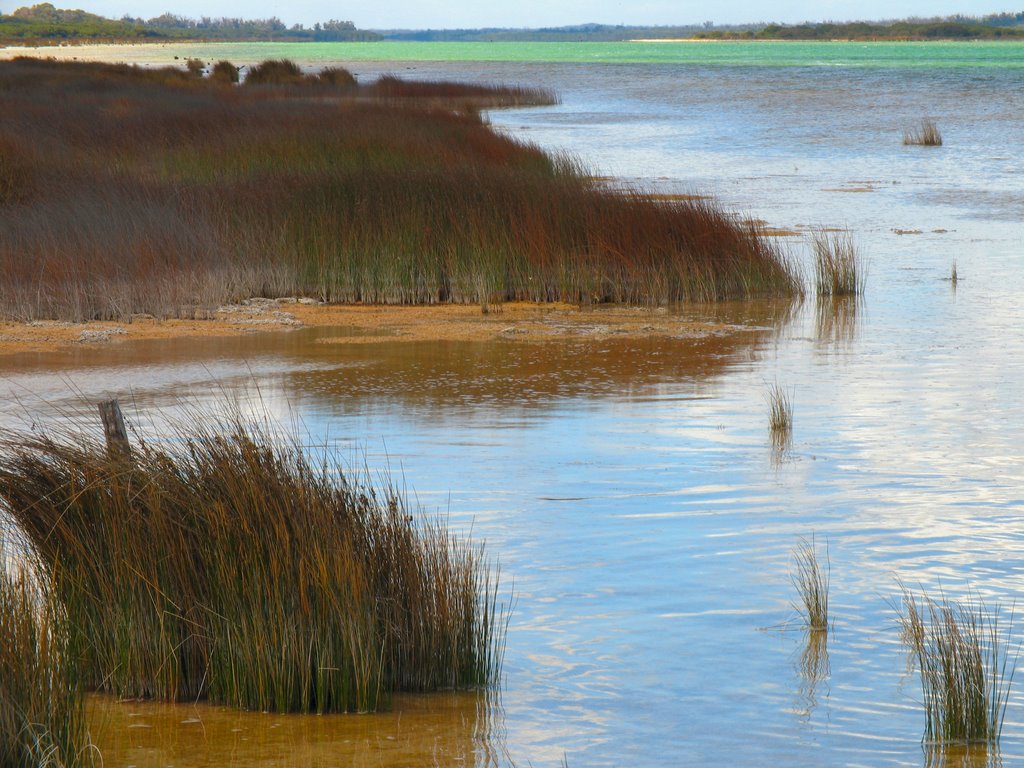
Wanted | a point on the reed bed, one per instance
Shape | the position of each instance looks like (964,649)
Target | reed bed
(811,579)
(154,191)
(228,564)
(924,135)
(838,265)
(966,669)
(42,721)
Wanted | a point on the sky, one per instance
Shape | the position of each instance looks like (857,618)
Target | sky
(440,14)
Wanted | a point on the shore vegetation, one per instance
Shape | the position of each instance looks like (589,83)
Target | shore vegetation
(126,190)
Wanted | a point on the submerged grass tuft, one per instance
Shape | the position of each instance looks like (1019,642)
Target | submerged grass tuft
(838,266)
(925,135)
(226,563)
(966,669)
(780,414)
(811,579)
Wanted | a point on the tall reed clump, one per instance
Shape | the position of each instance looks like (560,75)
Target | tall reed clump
(811,579)
(165,194)
(42,719)
(925,135)
(229,565)
(965,665)
(838,265)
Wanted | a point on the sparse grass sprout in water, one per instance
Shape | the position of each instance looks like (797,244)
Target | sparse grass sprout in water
(780,414)
(811,578)
(924,135)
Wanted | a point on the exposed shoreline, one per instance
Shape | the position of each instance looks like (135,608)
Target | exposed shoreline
(522,321)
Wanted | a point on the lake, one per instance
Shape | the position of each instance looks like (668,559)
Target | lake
(642,517)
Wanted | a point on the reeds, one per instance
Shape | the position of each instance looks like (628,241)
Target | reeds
(274,72)
(42,721)
(156,192)
(224,72)
(924,135)
(780,415)
(965,666)
(228,564)
(811,579)
(838,266)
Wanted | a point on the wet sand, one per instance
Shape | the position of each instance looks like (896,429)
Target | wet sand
(522,321)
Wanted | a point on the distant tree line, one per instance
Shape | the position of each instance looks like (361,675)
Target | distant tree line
(995,26)
(590,33)
(955,27)
(45,24)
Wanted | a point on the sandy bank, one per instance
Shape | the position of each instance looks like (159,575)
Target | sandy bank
(519,321)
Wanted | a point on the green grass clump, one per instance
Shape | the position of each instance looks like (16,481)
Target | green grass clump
(160,193)
(229,565)
(811,579)
(42,721)
(838,266)
(925,135)
(965,666)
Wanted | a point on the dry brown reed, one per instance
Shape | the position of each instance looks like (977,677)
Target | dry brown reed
(336,76)
(925,135)
(228,564)
(274,72)
(224,72)
(966,669)
(42,719)
(160,193)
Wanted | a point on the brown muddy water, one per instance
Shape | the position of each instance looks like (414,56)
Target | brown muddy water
(437,730)
(630,489)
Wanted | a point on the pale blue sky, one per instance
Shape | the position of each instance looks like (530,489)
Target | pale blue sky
(531,13)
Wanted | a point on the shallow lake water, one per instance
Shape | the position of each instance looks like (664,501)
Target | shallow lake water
(630,490)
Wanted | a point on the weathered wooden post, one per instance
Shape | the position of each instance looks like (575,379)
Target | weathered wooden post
(114,429)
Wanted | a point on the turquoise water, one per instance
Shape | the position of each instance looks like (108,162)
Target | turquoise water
(630,490)
(912,55)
